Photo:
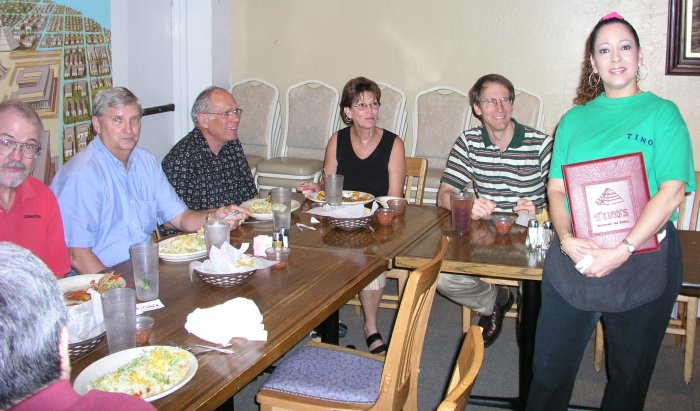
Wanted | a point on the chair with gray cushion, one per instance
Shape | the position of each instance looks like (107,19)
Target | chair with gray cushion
(392,114)
(440,115)
(260,127)
(528,109)
(322,376)
(312,116)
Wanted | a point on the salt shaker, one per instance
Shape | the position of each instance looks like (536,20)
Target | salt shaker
(531,240)
(546,234)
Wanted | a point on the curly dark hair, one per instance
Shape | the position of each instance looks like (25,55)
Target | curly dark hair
(587,91)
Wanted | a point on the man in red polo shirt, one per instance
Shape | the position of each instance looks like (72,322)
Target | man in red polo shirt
(29,214)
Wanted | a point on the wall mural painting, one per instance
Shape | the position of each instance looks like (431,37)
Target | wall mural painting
(56,57)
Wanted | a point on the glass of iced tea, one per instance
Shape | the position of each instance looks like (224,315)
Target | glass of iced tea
(461,204)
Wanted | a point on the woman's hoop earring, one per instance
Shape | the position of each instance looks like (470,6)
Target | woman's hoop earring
(642,72)
(348,120)
(590,80)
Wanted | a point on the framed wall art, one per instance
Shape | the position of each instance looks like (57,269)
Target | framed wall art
(683,48)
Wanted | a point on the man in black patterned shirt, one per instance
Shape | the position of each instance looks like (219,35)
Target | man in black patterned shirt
(207,167)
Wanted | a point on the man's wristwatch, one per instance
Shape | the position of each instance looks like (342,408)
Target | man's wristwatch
(630,247)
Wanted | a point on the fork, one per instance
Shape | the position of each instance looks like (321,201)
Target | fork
(204,348)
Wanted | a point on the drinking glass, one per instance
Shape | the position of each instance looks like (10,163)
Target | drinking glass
(334,189)
(461,204)
(281,199)
(144,262)
(119,310)
(216,233)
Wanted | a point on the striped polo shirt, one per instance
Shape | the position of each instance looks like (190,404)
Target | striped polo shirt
(519,172)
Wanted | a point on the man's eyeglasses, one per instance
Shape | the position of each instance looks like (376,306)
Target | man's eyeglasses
(364,106)
(229,113)
(27,150)
(490,103)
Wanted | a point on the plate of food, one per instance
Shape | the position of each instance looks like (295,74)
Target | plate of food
(262,208)
(74,289)
(184,247)
(349,197)
(145,372)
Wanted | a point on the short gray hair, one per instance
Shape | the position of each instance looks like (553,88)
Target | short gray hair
(202,103)
(26,112)
(114,97)
(32,314)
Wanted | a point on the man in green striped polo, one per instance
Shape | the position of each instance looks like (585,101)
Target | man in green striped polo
(507,164)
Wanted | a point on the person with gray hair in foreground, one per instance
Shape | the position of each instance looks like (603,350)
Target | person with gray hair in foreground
(35,367)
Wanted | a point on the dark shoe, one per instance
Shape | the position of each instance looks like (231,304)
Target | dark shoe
(491,324)
(380,349)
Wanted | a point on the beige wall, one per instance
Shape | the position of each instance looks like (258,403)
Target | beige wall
(417,44)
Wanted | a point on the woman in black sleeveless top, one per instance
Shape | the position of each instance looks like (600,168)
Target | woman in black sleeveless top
(371,160)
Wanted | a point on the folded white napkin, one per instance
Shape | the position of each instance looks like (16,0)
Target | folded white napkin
(85,320)
(229,260)
(348,211)
(239,317)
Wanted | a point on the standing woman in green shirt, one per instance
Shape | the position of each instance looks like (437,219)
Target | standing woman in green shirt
(633,293)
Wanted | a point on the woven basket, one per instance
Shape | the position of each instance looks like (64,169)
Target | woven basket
(81,348)
(350,224)
(225,280)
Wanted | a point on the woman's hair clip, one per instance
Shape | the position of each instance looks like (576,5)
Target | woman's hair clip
(612,15)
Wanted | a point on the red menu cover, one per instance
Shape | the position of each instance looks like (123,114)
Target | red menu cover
(606,198)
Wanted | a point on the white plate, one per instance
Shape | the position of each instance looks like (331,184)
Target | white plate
(346,193)
(82,282)
(258,216)
(179,257)
(383,199)
(112,362)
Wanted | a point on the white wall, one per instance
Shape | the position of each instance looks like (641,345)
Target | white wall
(162,51)
(417,44)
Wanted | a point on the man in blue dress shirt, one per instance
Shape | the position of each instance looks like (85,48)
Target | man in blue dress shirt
(113,194)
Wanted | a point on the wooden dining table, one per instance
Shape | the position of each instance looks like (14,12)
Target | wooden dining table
(293,300)
(326,268)
(482,252)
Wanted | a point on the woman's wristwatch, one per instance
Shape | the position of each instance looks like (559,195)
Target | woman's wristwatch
(629,246)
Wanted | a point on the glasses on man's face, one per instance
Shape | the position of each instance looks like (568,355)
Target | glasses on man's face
(8,146)
(364,106)
(229,113)
(490,103)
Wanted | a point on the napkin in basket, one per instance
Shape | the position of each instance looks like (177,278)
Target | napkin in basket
(350,211)
(239,317)
(85,320)
(228,260)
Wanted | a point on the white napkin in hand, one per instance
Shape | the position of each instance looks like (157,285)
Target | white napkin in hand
(239,317)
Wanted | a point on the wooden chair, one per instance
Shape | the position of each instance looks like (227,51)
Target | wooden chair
(323,377)
(414,187)
(471,356)
(685,324)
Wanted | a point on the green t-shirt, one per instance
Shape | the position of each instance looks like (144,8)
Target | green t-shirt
(646,123)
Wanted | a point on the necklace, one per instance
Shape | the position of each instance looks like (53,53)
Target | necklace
(366,146)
